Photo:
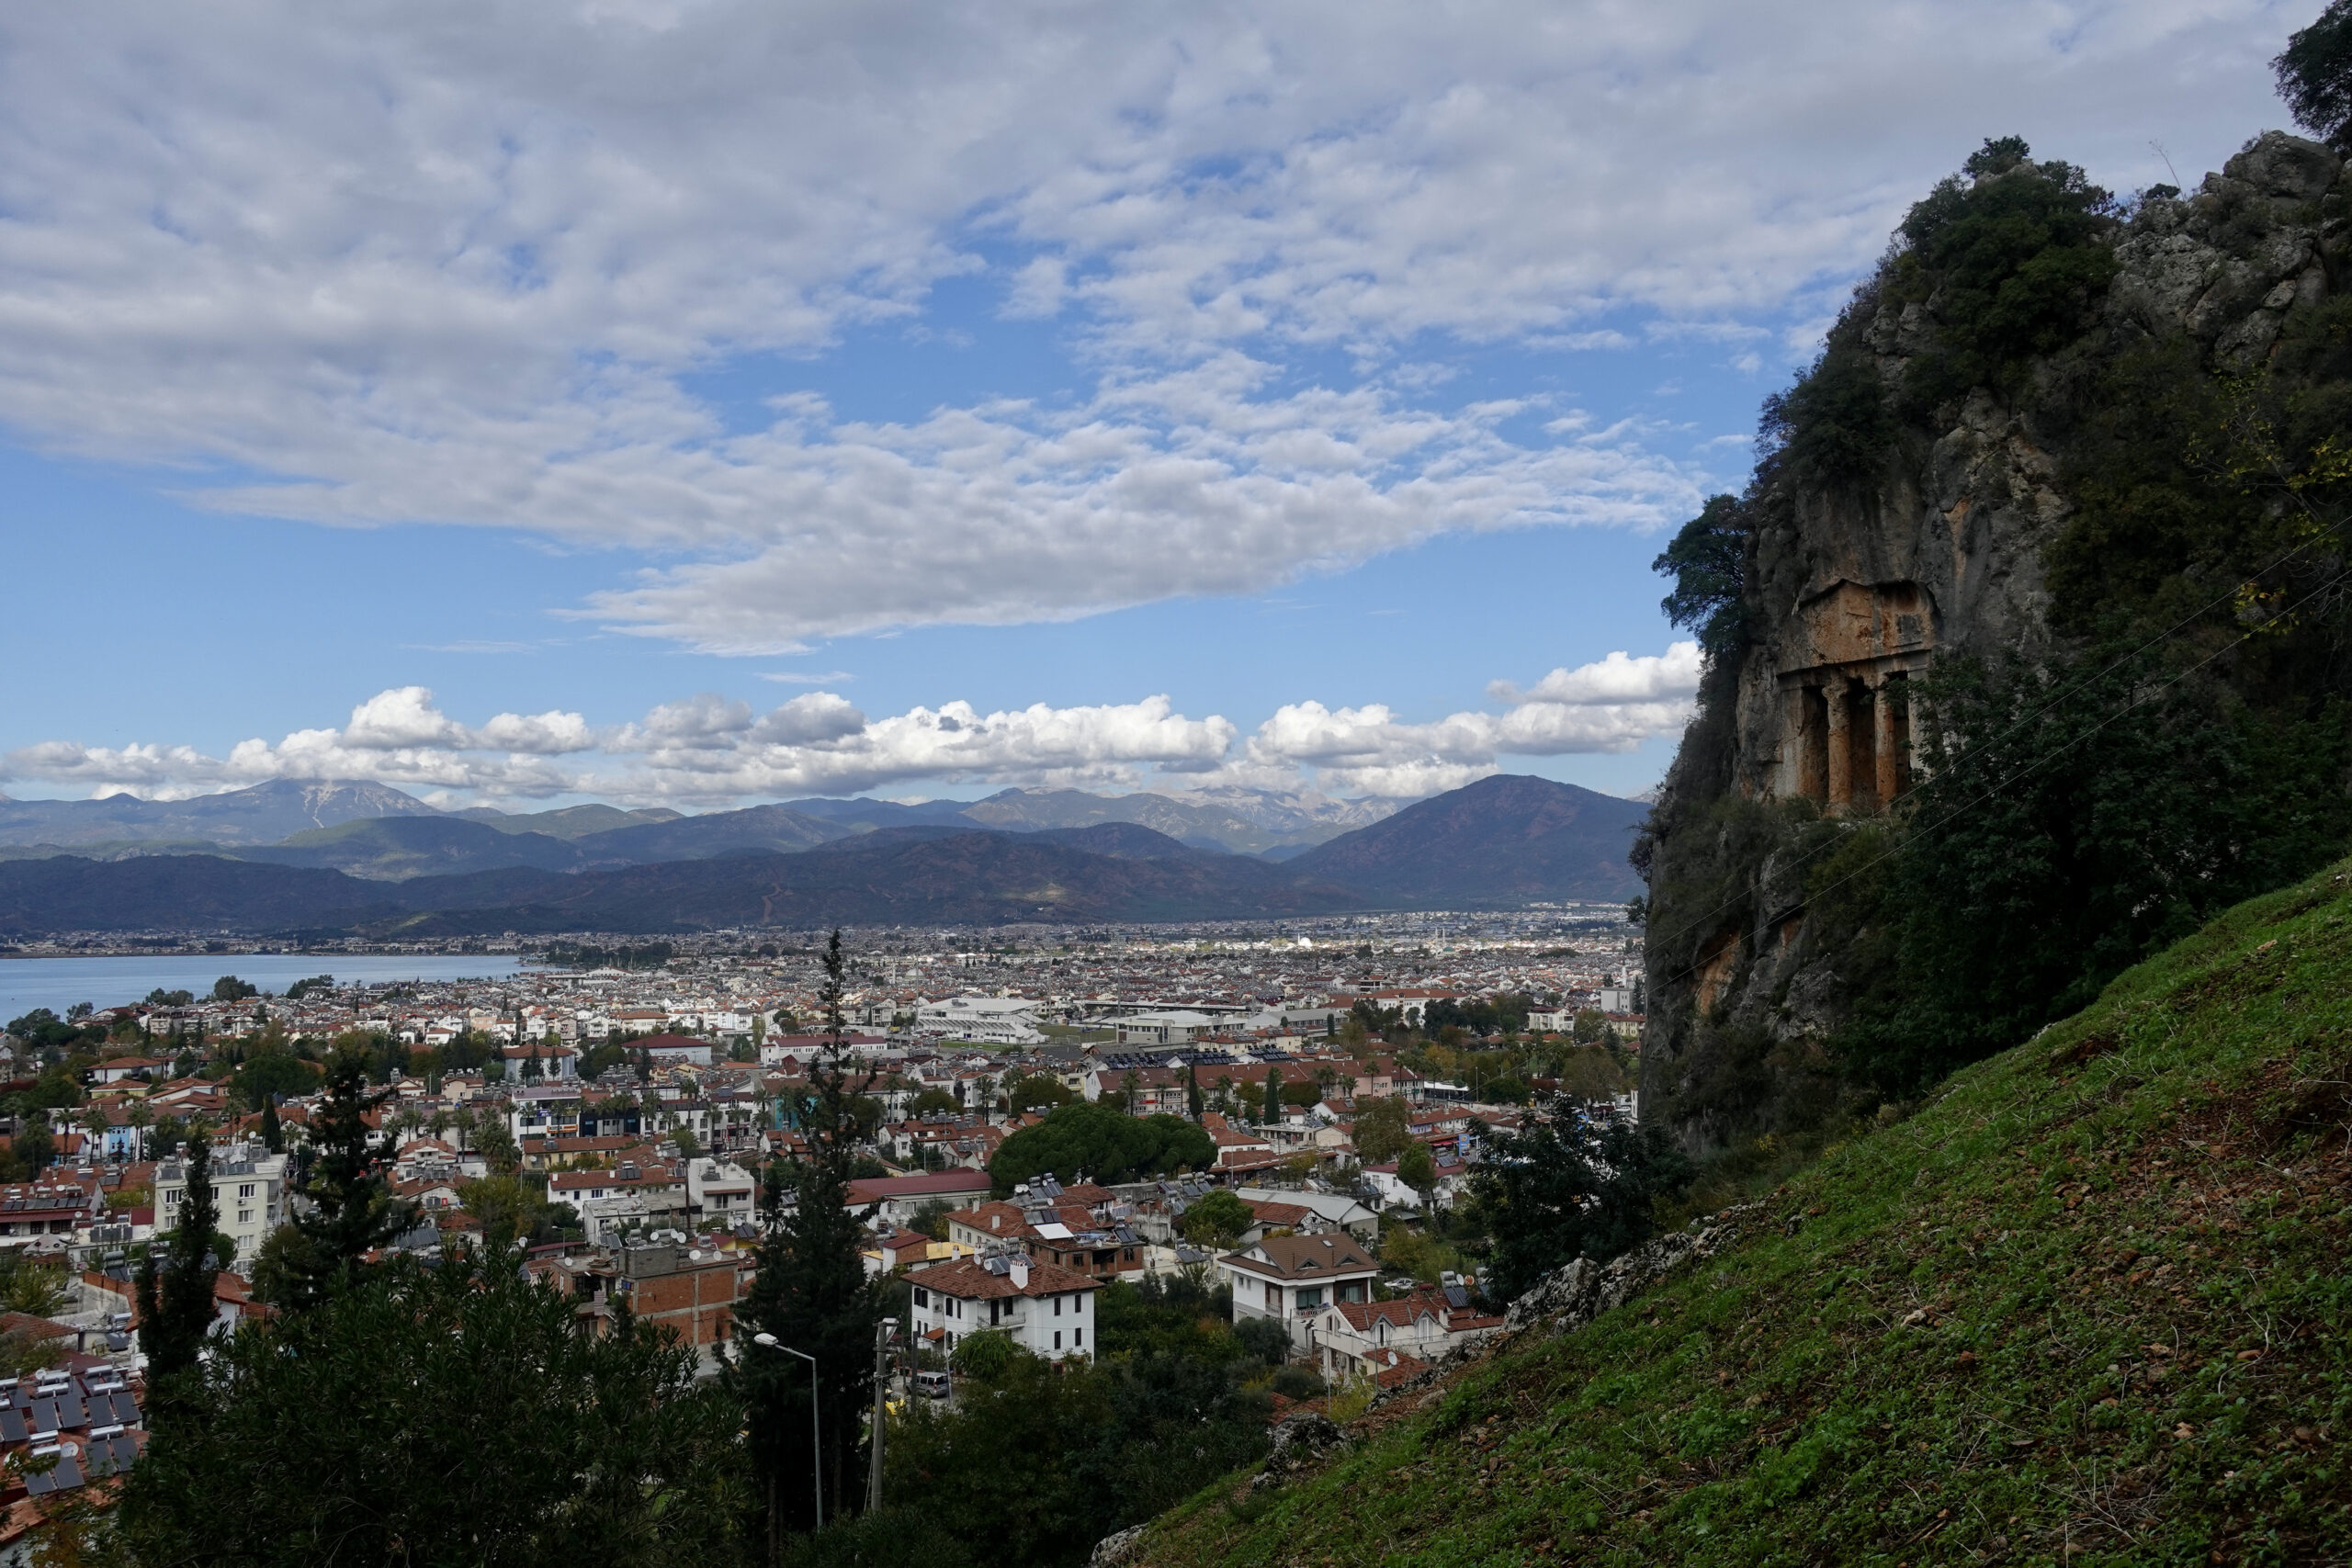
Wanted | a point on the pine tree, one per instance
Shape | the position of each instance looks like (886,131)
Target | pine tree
(352,1210)
(273,1132)
(175,1301)
(811,1294)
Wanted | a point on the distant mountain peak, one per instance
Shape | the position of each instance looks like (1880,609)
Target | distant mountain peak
(1508,839)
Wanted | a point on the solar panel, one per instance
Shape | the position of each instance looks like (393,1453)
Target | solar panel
(66,1476)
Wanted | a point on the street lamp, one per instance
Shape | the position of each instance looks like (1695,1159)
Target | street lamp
(816,1431)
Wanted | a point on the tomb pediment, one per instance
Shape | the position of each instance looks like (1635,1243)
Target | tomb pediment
(1852,623)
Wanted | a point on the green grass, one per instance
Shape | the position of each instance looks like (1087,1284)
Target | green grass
(2086,1306)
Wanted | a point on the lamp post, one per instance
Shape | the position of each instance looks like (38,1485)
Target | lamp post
(882,1332)
(816,1431)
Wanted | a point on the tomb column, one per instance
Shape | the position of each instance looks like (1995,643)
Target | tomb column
(1890,759)
(1840,747)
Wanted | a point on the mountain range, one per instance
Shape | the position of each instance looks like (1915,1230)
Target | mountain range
(1503,841)
(371,830)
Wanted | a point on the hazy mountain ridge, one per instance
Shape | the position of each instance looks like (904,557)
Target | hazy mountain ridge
(277,814)
(568,821)
(263,814)
(1499,842)
(1241,821)
(1503,841)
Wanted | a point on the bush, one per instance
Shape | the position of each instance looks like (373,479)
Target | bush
(1264,1337)
(1299,1383)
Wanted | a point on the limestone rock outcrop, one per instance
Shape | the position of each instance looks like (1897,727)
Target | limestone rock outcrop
(1855,588)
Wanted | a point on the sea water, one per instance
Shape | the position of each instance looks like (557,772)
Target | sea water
(58,983)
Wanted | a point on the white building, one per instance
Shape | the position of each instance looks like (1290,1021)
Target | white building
(989,1021)
(1292,1278)
(1164,1028)
(720,1191)
(248,1190)
(1048,1310)
(1426,1325)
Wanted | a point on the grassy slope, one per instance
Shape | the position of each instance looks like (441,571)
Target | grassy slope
(2088,1305)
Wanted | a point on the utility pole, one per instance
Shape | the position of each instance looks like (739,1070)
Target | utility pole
(882,1332)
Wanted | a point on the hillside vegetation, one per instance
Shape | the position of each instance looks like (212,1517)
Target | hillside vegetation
(2086,1305)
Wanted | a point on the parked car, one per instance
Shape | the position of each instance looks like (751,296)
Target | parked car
(932,1385)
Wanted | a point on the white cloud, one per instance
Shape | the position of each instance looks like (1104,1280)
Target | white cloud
(453,262)
(714,750)
(1615,678)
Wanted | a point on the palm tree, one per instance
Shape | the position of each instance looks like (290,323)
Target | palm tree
(95,1125)
(138,1119)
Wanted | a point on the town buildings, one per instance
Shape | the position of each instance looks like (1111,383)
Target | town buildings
(248,1193)
(1292,1278)
(1048,1310)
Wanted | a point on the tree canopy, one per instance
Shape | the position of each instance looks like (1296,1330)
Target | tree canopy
(1563,1190)
(1708,563)
(441,1416)
(2316,75)
(1217,1220)
(1107,1145)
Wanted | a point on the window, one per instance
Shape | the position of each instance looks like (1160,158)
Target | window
(1077,1337)
(1057,1306)
(922,1297)
(1057,1338)
(246,1190)
(1310,1298)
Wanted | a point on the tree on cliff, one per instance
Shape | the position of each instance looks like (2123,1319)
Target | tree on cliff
(1565,1190)
(2316,75)
(1708,562)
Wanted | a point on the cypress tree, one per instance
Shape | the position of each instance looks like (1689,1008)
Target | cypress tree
(811,1294)
(175,1301)
(1273,1094)
(352,1212)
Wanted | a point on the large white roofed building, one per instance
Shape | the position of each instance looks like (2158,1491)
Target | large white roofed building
(991,1020)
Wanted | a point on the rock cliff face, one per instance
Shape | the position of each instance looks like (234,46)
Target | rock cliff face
(1853,589)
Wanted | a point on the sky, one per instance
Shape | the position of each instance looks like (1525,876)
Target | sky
(699,402)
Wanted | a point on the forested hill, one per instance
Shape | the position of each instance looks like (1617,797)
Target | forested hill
(2028,650)
(2087,1306)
